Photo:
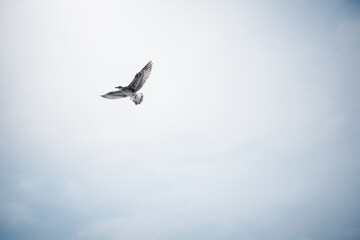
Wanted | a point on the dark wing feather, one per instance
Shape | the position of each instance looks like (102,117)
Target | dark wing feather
(140,78)
(114,95)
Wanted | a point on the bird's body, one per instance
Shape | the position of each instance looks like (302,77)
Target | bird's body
(133,87)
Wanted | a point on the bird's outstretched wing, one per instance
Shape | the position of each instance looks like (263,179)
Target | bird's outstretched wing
(140,78)
(114,95)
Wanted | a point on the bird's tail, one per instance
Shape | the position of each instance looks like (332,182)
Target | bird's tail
(138,99)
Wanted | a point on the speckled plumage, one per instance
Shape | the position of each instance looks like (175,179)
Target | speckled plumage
(136,84)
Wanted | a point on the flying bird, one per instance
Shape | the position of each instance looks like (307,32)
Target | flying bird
(133,87)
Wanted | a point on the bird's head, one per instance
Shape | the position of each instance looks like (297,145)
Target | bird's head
(119,87)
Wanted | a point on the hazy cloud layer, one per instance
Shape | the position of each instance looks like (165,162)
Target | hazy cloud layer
(248,130)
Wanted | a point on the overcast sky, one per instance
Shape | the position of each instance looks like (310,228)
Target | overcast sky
(249,127)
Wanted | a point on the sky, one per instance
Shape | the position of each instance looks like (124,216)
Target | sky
(249,127)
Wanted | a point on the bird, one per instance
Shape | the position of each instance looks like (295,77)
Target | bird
(135,85)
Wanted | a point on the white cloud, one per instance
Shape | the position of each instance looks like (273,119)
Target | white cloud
(250,119)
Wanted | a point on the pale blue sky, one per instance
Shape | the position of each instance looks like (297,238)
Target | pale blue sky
(249,127)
